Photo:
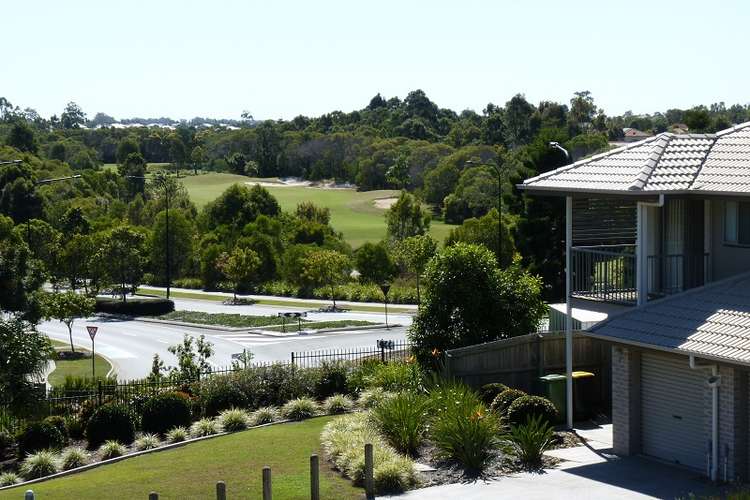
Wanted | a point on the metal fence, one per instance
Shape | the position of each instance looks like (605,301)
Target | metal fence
(384,350)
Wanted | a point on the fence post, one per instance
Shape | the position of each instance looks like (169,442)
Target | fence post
(99,392)
(29,495)
(292,358)
(266,483)
(314,478)
(153,496)
(221,491)
(382,351)
(369,467)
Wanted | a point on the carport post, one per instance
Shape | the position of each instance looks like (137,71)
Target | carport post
(568,310)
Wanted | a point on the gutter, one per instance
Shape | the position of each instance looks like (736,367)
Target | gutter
(713,381)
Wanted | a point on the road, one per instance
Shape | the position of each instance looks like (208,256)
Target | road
(130,345)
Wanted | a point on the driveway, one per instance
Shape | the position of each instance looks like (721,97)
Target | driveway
(585,472)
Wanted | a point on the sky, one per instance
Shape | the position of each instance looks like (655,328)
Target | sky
(280,59)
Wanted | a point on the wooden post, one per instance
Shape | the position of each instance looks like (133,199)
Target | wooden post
(314,478)
(153,496)
(266,483)
(29,495)
(221,491)
(369,468)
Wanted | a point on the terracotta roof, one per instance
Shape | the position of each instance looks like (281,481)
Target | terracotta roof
(661,164)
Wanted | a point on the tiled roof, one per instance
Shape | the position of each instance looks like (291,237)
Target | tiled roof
(665,163)
(711,322)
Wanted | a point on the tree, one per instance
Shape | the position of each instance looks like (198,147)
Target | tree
(133,169)
(468,300)
(19,278)
(407,218)
(126,147)
(239,267)
(374,263)
(240,205)
(22,137)
(180,243)
(123,251)
(475,194)
(192,358)
(72,117)
(414,253)
(178,152)
(484,231)
(325,268)
(75,257)
(398,173)
(582,111)
(310,211)
(18,197)
(66,307)
(23,359)
(197,157)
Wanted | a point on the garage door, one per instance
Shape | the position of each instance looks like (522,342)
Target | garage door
(672,417)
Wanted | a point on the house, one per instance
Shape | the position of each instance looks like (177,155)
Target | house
(633,134)
(662,226)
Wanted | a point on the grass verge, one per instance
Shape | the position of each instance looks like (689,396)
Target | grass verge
(221,319)
(77,367)
(193,470)
(319,325)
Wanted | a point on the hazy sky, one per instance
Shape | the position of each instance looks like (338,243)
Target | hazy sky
(279,59)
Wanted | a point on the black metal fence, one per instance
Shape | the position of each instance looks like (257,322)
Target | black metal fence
(384,350)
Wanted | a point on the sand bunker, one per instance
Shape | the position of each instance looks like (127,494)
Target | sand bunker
(385,203)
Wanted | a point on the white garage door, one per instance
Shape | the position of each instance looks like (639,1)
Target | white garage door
(672,415)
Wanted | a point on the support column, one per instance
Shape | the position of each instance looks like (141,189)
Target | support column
(569,309)
(626,400)
(641,254)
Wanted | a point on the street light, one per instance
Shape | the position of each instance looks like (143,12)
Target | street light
(499,173)
(556,145)
(162,181)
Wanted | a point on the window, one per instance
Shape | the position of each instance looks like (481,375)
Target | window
(737,223)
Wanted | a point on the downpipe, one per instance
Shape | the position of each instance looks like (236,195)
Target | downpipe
(714,380)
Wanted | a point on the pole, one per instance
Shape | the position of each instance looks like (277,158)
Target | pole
(266,483)
(568,311)
(385,303)
(93,359)
(314,478)
(166,199)
(499,216)
(369,469)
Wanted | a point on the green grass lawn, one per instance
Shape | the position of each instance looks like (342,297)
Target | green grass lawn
(353,213)
(193,470)
(77,367)
(319,325)
(245,321)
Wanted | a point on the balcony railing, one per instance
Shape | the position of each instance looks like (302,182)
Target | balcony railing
(608,273)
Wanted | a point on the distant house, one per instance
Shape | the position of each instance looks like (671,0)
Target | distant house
(662,225)
(633,135)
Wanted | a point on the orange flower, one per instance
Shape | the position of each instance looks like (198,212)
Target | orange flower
(435,353)
(478,415)
(411,359)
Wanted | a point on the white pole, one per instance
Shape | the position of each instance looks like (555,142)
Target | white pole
(569,309)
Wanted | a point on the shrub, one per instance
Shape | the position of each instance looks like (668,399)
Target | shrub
(395,376)
(525,407)
(8,479)
(110,422)
(503,400)
(344,439)
(403,420)
(164,411)
(222,396)
(372,397)
(6,442)
(39,436)
(59,423)
(147,442)
(111,449)
(74,457)
(234,420)
(264,415)
(531,439)
(193,283)
(76,428)
(40,464)
(462,428)
(299,409)
(177,435)
(331,379)
(134,307)
(204,427)
(338,403)
(489,392)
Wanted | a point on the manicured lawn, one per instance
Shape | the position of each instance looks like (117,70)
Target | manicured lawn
(77,367)
(353,213)
(319,325)
(192,471)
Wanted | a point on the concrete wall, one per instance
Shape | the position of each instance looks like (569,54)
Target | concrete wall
(726,260)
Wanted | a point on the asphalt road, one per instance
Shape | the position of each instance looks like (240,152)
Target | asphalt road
(130,345)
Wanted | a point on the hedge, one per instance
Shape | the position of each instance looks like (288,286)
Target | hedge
(134,307)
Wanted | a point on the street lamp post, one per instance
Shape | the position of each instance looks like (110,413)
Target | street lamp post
(499,173)
(162,181)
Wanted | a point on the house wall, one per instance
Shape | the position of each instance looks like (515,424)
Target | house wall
(726,260)
(734,420)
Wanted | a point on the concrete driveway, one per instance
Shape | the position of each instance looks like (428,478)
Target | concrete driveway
(586,472)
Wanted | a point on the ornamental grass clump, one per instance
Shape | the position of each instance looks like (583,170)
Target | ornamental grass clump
(462,428)
(204,427)
(344,440)
(147,442)
(264,415)
(234,420)
(338,403)
(73,458)
(177,435)
(40,464)
(403,420)
(299,409)
(531,439)
(8,479)
(372,397)
(111,449)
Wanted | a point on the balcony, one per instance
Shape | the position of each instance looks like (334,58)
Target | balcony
(608,273)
